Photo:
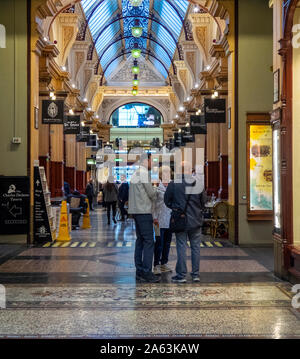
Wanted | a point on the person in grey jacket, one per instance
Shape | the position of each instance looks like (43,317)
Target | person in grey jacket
(176,197)
(141,197)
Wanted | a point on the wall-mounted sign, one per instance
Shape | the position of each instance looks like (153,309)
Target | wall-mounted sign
(72,125)
(14,205)
(198,125)
(41,225)
(215,110)
(53,112)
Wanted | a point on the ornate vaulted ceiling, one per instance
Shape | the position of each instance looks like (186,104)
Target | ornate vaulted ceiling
(111,23)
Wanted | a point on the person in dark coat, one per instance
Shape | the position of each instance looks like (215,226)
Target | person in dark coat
(89,191)
(123,197)
(78,206)
(67,189)
(191,189)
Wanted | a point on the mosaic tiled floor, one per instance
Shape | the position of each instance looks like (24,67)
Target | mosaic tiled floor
(90,291)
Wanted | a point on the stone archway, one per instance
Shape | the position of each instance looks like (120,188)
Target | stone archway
(148,101)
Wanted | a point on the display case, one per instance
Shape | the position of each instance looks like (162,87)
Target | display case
(259,167)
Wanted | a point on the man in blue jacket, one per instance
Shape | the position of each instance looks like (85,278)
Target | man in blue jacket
(187,188)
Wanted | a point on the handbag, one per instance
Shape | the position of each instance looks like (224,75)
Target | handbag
(178,220)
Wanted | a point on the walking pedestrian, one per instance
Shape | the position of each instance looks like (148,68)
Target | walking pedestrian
(89,191)
(110,194)
(123,197)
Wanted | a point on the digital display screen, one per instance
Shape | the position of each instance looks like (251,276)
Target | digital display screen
(136,115)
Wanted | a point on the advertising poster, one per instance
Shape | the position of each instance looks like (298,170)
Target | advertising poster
(261,165)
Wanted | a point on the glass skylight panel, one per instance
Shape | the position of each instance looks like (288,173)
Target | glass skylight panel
(159,66)
(182,5)
(113,66)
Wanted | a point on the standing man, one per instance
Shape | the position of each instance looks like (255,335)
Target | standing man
(89,191)
(141,198)
(187,195)
(123,197)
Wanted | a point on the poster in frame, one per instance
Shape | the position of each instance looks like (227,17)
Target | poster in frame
(259,167)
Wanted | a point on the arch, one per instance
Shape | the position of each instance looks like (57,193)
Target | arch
(71,3)
(137,102)
(122,37)
(129,52)
(135,16)
(151,102)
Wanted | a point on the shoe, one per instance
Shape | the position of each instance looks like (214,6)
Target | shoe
(157,270)
(195,279)
(151,278)
(139,276)
(178,279)
(165,268)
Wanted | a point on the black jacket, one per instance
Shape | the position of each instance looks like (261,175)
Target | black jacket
(89,191)
(123,192)
(176,196)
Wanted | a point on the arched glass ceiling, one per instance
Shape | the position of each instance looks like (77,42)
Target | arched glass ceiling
(165,25)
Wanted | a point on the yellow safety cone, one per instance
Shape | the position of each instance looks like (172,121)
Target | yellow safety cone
(64,234)
(86,223)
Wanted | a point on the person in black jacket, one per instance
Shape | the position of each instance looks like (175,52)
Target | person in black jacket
(123,197)
(78,206)
(187,188)
(89,191)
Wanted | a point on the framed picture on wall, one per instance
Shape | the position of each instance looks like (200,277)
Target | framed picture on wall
(259,167)
(276,78)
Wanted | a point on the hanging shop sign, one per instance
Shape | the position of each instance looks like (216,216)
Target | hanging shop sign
(72,125)
(84,134)
(41,224)
(215,110)
(177,139)
(92,141)
(53,112)
(14,205)
(187,136)
(198,125)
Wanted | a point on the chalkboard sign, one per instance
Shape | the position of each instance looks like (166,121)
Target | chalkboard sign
(72,125)
(14,205)
(215,110)
(53,112)
(198,125)
(41,225)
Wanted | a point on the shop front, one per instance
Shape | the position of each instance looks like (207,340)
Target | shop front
(286,145)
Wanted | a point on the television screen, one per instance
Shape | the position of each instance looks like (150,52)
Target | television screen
(136,115)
